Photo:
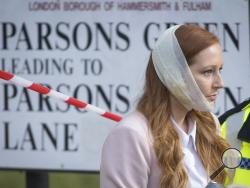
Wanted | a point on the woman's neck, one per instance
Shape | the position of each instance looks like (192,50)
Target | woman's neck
(179,113)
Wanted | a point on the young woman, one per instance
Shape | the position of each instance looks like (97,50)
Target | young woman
(172,139)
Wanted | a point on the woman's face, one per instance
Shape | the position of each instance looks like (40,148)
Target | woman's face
(206,69)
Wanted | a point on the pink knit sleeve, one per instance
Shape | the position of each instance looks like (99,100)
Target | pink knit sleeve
(125,160)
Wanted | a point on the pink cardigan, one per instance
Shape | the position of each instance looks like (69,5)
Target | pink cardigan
(128,158)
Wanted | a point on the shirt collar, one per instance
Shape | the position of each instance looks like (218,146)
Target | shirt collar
(184,137)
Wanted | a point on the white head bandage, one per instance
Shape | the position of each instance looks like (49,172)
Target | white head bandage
(172,69)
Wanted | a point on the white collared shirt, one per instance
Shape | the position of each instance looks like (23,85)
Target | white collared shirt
(197,175)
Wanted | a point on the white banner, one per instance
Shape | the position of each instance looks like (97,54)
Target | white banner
(97,52)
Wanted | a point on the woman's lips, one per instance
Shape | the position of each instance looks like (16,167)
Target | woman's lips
(212,98)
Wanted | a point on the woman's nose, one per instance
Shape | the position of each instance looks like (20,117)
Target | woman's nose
(218,82)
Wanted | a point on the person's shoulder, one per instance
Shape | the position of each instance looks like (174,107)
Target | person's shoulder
(133,128)
(135,122)
(234,110)
(134,117)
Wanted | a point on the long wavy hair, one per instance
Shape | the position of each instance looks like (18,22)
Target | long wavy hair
(155,106)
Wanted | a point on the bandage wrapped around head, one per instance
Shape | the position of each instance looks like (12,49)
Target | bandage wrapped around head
(172,69)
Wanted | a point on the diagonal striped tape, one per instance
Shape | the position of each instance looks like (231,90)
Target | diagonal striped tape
(55,94)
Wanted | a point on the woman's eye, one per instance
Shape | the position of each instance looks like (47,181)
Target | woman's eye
(220,70)
(208,72)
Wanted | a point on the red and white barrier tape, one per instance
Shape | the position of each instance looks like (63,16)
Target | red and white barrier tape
(55,94)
